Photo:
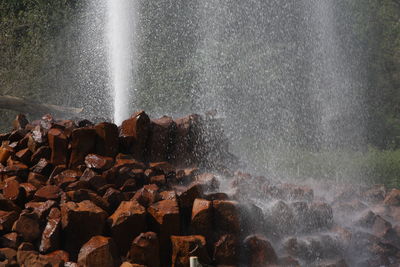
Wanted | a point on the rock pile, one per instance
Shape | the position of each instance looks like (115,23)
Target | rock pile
(142,194)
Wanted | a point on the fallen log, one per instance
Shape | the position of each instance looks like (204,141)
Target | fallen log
(36,109)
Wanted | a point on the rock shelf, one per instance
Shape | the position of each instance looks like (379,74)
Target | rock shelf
(74,193)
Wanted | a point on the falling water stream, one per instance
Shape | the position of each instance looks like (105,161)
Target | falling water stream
(121,38)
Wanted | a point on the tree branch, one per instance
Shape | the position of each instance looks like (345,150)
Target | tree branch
(36,109)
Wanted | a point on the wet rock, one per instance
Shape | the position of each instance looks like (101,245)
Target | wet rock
(202,217)
(58,144)
(99,251)
(8,257)
(84,194)
(13,191)
(259,251)
(107,139)
(313,248)
(393,198)
(227,216)
(16,169)
(282,218)
(29,190)
(187,195)
(165,220)
(97,162)
(42,209)
(163,167)
(80,222)
(127,222)
(64,178)
(226,250)
(17,135)
(288,261)
(48,192)
(95,180)
(7,219)
(184,247)
(37,180)
(134,133)
(186,175)
(43,167)
(145,250)
(28,226)
(186,137)
(332,263)
(24,156)
(10,240)
(375,194)
(164,195)
(320,215)
(51,236)
(161,139)
(20,122)
(43,152)
(5,153)
(208,181)
(114,197)
(25,252)
(147,195)
(83,142)
(159,180)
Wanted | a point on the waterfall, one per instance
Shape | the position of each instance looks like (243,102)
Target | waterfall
(121,42)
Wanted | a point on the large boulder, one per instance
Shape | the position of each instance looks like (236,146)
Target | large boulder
(83,142)
(80,222)
(99,251)
(161,139)
(165,220)
(227,216)
(145,250)
(58,143)
(127,222)
(107,139)
(259,251)
(51,236)
(134,133)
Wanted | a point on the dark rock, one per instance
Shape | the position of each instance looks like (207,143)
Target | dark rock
(98,162)
(43,152)
(58,144)
(165,220)
(393,198)
(127,222)
(134,133)
(51,236)
(161,139)
(99,251)
(226,250)
(20,122)
(147,195)
(83,142)
(28,226)
(80,222)
(145,250)
(43,167)
(7,219)
(48,192)
(259,251)
(227,216)
(107,139)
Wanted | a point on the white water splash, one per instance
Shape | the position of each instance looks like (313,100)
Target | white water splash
(121,38)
